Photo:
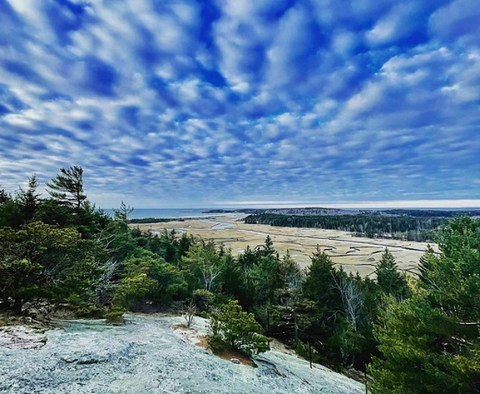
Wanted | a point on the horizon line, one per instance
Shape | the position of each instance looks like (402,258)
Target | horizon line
(389,204)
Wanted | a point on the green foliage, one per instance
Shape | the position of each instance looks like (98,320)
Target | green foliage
(409,225)
(420,352)
(319,284)
(11,214)
(148,280)
(18,281)
(345,342)
(453,278)
(203,299)
(423,337)
(66,250)
(20,209)
(232,277)
(33,257)
(267,249)
(84,307)
(202,264)
(429,342)
(4,196)
(389,279)
(67,187)
(29,199)
(238,329)
(121,214)
(425,263)
(134,290)
(265,279)
(52,212)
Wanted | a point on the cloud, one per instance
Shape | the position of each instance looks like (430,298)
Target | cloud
(458,20)
(189,103)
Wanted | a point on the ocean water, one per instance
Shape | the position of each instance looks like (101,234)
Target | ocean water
(167,213)
(142,213)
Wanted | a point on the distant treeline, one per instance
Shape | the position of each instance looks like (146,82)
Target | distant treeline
(371,225)
(427,213)
(153,220)
(320,211)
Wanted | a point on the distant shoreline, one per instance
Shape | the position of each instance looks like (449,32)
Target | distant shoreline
(318,211)
(179,219)
(159,215)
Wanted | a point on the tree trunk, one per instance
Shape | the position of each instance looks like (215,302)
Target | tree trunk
(5,303)
(17,306)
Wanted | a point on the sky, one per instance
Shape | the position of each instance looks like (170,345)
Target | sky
(227,102)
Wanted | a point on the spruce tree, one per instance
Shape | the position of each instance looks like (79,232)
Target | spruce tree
(29,199)
(426,263)
(4,197)
(319,284)
(430,342)
(389,279)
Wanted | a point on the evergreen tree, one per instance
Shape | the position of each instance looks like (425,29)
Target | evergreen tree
(319,284)
(292,278)
(430,342)
(267,248)
(247,259)
(426,264)
(123,212)
(203,265)
(389,279)
(237,329)
(232,277)
(32,258)
(423,351)
(67,187)
(29,199)
(4,197)
(320,287)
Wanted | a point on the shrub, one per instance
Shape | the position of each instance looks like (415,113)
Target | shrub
(237,329)
(203,299)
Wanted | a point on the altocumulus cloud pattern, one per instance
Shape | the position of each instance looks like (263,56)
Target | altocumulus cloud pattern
(198,102)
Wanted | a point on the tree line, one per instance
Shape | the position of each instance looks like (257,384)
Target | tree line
(422,229)
(409,334)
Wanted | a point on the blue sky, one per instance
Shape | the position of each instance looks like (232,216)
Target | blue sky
(228,102)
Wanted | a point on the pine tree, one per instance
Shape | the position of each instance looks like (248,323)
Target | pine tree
(4,197)
(237,329)
(426,264)
(319,284)
(267,248)
(430,342)
(29,199)
(389,279)
(123,212)
(67,187)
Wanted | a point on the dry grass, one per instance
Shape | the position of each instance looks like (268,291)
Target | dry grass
(228,354)
(354,254)
(202,342)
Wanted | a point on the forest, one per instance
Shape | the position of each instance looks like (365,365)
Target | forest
(373,225)
(407,333)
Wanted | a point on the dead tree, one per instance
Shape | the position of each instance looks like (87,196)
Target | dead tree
(352,299)
(188,313)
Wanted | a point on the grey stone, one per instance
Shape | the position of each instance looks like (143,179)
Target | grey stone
(147,356)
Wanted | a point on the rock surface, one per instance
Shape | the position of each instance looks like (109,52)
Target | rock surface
(147,356)
(21,337)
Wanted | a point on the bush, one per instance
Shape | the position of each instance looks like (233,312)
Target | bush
(115,315)
(237,329)
(203,299)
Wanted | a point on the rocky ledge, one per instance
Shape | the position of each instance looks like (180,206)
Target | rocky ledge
(21,337)
(146,355)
